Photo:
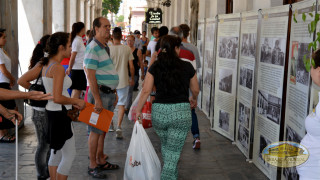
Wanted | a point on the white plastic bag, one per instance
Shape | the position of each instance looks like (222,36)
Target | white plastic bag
(132,111)
(142,162)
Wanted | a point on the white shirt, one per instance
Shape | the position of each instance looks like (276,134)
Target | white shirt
(4,59)
(48,85)
(152,46)
(78,46)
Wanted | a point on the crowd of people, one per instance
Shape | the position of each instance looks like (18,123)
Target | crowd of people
(108,69)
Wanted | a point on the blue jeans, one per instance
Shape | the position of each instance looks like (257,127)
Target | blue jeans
(195,126)
(129,99)
(107,103)
(40,121)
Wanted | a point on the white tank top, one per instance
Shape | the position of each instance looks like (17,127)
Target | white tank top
(48,84)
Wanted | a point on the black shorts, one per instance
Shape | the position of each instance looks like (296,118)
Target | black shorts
(79,81)
(9,104)
(144,49)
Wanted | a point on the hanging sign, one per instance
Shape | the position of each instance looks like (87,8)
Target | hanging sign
(154,16)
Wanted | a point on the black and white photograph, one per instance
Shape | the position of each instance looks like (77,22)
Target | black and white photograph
(228,47)
(274,108)
(291,173)
(199,34)
(224,120)
(208,59)
(199,75)
(210,32)
(302,75)
(273,51)
(248,45)
(269,106)
(244,115)
(262,104)
(200,49)
(292,135)
(264,142)
(208,104)
(207,79)
(225,80)
(243,136)
(246,77)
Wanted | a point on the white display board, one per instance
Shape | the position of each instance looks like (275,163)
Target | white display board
(246,77)
(200,46)
(226,74)
(208,64)
(270,79)
(298,85)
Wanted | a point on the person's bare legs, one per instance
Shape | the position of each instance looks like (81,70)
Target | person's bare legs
(93,146)
(75,93)
(120,115)
(100,157)
(53,172)
(61,177)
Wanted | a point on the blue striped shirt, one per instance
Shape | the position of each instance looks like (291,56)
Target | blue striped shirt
(97,58)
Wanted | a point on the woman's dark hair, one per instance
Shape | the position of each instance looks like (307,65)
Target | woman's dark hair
(53,43)
(38,53)
(2,31)
(76,28)
(169,67)
(163,31)
(316,57)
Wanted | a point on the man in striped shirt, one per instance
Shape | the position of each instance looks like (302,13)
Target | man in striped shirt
(103,79)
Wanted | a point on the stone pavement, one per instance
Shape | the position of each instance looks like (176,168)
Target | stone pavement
(218,158)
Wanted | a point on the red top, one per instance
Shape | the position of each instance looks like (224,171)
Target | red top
(65,61)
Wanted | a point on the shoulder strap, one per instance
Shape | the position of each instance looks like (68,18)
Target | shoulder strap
(49,68)
(39,76)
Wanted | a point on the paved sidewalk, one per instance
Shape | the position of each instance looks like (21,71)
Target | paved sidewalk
(217,159)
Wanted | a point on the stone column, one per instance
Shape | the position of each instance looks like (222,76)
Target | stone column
(67,16)
(47,17)
(58,16)
(87,14)
(82,11)
(78,10)
(73,13)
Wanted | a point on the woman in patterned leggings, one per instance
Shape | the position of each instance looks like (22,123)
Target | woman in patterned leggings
(171,115)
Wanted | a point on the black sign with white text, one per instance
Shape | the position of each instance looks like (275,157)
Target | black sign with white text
(154,16)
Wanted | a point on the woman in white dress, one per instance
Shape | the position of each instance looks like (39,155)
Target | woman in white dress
(310,170)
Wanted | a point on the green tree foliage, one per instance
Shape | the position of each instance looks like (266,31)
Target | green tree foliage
(120,18)
(110,6)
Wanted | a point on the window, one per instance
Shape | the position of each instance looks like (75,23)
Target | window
(229,6)
(290,1)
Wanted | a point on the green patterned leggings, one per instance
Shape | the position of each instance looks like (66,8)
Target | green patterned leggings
(172,123)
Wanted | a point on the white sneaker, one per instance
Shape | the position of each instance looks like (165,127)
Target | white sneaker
(119,134)
(111,128)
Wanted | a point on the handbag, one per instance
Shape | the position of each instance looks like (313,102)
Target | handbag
(37,87)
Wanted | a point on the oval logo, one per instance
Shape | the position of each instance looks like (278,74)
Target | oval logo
(285,154)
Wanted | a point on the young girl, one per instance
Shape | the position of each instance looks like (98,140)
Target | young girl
(39,116)
(60,130)
(79,81)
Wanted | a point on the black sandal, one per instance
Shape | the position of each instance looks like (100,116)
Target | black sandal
(7,139)
(95,172)
(108,166)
